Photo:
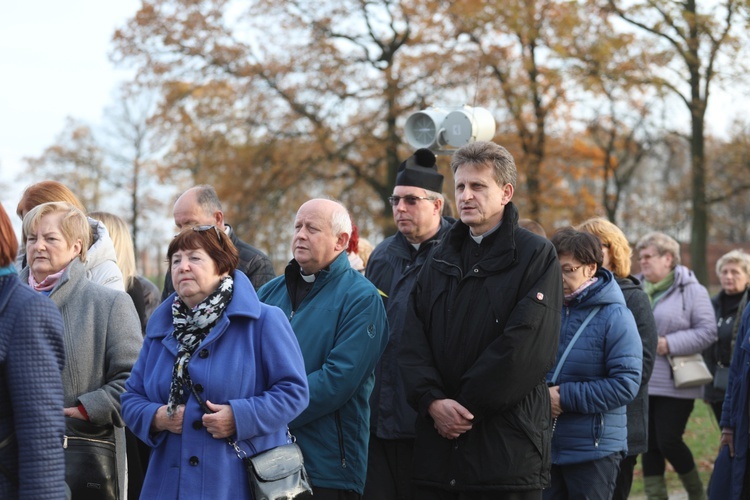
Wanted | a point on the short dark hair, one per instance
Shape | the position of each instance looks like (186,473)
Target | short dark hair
(8,240)
(584,247)
(213,241)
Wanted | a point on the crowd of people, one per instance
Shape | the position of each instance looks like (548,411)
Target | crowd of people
(466,358)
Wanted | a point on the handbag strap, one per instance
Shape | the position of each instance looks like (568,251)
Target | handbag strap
(241,454)
(4,444)
(560,363)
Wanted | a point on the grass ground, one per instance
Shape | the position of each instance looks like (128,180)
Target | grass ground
(702,436)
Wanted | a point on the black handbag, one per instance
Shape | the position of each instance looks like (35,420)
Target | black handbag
(721,378)
(275,474)
(90,460)
(278,473)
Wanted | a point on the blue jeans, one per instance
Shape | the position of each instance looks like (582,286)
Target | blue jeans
(593,480)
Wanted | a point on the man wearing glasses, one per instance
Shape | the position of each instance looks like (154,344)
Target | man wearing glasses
(200,206)
(417,203)
(481,332)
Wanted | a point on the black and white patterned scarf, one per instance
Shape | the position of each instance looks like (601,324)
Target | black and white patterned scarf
(190,328)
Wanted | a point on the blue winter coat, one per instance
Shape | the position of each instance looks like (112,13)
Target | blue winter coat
(600,376)
(734,415)
(342,330)
(249,360)
(31,393)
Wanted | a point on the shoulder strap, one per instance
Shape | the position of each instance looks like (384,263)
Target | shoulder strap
(572,342)
(4,444)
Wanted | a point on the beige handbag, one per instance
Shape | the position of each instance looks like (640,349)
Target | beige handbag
(689,371)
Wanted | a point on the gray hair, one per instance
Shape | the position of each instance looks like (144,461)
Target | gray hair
(484,153)
(663,244)
(341,221)
(435,194)
(738,257)
(207,198)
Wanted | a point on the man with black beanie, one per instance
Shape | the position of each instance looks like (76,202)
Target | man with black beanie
(417,203)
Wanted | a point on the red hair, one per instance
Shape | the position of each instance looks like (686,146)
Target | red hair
(8,240)
(353,239)
(45,192)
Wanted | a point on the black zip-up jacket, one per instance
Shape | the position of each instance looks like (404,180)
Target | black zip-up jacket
(720,353)
(638,303)
(393,268)
(485,337)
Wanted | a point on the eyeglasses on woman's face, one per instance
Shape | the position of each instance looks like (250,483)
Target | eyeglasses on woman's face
(570,271)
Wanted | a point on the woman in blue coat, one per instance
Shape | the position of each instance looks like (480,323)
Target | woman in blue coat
(32,355)
(597,373)
(213,335)
(731,476)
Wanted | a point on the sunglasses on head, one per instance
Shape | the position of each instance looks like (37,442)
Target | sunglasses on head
(205,227)
(409,200)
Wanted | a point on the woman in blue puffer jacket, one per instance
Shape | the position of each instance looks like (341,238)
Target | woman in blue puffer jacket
(596,374)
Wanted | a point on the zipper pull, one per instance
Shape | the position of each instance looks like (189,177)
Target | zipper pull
(65,442)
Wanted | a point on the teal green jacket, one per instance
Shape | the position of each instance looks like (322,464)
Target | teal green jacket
(342,329)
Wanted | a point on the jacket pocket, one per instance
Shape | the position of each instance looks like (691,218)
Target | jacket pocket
(340,437)
(597,428)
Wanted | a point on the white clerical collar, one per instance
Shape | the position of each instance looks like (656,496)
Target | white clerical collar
(478,239)
(309,278)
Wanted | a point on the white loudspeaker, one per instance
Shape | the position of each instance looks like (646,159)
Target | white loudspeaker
(423,128)
(466,125)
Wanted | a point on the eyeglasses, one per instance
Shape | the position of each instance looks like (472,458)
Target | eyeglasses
(571,270)
(410,200)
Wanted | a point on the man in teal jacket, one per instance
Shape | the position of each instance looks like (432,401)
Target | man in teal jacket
(340,323)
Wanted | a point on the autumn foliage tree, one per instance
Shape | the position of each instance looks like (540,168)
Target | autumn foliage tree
(275,102)
(76,159)
(516,47)
(327,83)
(699,38)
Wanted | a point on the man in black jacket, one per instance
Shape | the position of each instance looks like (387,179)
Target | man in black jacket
(481,333)
(200,206)
(417,202)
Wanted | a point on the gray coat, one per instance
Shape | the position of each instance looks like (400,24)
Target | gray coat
(102,342)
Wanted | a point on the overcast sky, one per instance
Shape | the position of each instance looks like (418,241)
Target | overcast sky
(53,64)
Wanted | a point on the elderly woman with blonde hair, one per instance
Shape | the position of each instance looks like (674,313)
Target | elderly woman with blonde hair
(101,263)
(102,332)
(617,259)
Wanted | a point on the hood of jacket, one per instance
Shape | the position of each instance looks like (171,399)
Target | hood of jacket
(102,248)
